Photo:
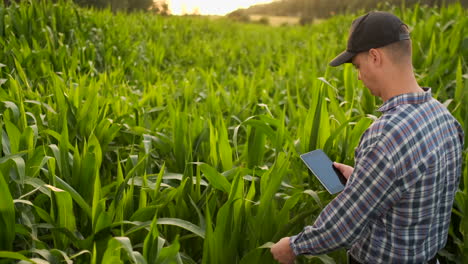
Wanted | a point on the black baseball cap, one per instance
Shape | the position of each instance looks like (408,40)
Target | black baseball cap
(372,30)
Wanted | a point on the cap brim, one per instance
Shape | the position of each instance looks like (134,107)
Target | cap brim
(344,57)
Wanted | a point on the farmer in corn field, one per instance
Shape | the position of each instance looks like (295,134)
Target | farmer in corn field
(397,202)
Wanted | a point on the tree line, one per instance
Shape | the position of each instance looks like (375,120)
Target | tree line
(312,9)
(155,6)
(159,6)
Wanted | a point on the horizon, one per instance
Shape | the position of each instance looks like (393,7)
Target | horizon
(210,7)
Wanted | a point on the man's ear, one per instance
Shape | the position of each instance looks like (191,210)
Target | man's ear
(375,57)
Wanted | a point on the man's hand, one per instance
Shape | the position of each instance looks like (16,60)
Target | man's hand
(282,252)
(344,169)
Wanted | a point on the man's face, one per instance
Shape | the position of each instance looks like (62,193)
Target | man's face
(362,63)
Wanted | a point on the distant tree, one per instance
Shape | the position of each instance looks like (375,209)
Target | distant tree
(239,15)
(306,20)
(160,7)
(136,5)
(156,6)
(310,9)
(94,3)
(118,5)
(264,21)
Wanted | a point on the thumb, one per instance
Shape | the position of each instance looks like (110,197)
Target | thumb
(339,166)
(344,169)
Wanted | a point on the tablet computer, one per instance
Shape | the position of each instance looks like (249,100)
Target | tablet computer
(322,167)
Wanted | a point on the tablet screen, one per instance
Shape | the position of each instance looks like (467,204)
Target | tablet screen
(322,167)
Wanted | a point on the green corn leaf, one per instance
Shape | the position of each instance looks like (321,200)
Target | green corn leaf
(40,212)
(267,245)
(134,256)
(255,147)
(127,246)
(151,244)
(14,109)
(159,181)
(128,202)
(14,136)
(28,139)
(63,162)
(213,145)
(74,194)
(64,216)
(269,185)
(182,224)
(225,150)
(15,255)
(170,254)
(18,161)
(216,179)
(97,205)
(323,258)
(7,216)
(209,246)
(34,260)
(112,253)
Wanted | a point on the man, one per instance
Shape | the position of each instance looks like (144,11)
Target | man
(397,202)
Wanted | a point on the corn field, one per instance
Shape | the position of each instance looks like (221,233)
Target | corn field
(136,138)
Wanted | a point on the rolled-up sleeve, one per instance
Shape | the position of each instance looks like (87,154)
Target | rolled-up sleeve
(370,191)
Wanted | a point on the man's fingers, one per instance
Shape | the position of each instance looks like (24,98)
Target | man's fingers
(339,166)
(344,169)
(282,252)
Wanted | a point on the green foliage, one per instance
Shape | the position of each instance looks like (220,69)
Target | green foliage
(158,6)
(7,216)
(133,138)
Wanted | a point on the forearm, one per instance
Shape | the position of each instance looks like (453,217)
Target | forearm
(330,231)
(371,190)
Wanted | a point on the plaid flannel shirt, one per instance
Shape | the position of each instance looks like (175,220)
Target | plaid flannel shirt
(396,205)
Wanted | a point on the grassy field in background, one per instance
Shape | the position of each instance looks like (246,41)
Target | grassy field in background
(135,138)
(275,20)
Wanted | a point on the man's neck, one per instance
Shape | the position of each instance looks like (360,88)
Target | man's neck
(400,84)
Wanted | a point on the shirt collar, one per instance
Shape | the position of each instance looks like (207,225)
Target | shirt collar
(408,98)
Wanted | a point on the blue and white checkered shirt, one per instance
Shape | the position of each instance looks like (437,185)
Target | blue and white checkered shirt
(396,205)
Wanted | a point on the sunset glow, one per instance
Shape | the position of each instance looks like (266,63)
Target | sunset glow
(210,7)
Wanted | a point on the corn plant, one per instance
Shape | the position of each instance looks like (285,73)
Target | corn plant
(136,138)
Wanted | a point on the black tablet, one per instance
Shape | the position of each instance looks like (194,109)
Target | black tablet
(322,167)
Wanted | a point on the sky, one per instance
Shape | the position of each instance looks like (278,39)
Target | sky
(210,7)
